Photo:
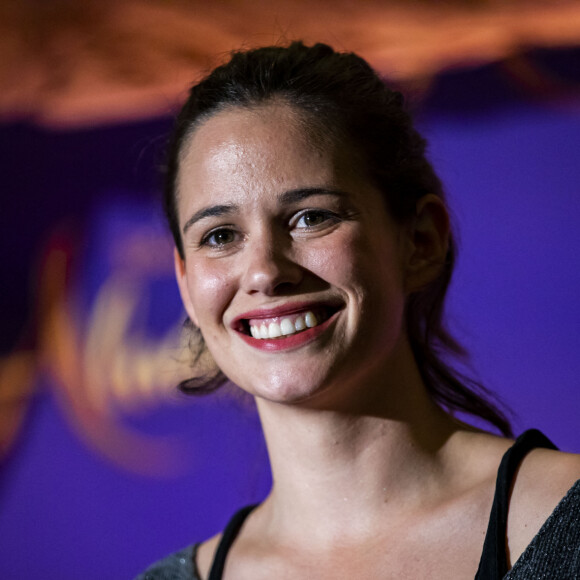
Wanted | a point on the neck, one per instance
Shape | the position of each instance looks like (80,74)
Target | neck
(362,465)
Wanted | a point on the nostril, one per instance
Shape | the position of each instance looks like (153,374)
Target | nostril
(271,272)
(284,287)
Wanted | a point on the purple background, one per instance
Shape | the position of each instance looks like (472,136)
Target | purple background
(511,166)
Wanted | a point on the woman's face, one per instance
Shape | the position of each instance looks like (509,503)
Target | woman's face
(293,268)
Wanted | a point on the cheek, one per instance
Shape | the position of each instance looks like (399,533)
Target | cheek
(355,261)
(370,271)
(325,261)
(209,289)
(333,258)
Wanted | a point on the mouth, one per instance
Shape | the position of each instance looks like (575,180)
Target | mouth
(270,325)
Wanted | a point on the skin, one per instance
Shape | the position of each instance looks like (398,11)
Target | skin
(371,479)
(275,261)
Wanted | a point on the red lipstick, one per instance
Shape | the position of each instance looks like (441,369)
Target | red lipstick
(291,341)
(325,312)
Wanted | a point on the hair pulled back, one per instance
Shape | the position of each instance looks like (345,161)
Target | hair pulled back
(341,96)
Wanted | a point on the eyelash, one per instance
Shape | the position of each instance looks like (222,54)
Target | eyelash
(326,215)
(205,241)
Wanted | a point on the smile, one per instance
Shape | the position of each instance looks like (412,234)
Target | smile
(279,327)
(286,327)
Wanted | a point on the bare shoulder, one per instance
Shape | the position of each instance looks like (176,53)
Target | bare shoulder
(543,479)
(205,555)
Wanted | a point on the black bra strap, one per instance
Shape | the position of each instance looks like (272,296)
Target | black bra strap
(493,564)
(226,541)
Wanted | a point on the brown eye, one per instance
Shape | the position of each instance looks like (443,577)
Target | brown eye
(219,238)
(315,218)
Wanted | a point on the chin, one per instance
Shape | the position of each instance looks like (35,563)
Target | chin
(289,388)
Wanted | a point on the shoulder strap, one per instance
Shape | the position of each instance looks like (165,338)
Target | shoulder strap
(493,564)
(229,535)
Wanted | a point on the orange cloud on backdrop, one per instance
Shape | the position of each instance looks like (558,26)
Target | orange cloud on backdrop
(70,63)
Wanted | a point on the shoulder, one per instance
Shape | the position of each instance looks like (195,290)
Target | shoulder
(542,481)
(176,566)
(205,554)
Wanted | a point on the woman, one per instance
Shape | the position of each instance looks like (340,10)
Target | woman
(313,253)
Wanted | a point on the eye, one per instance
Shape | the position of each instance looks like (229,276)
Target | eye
(313,218)
(219,238)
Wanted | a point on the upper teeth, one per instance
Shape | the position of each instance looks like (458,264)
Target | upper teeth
(284,327)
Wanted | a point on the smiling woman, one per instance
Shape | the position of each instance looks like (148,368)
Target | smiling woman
(297,234)
(313,253)
(337,98)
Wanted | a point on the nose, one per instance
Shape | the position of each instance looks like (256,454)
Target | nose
(268,267)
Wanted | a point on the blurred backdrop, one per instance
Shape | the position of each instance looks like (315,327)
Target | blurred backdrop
(104,467)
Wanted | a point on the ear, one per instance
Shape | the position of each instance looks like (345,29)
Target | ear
(427,243)
(180,274)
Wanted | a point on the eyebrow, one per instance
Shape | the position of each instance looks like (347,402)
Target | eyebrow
(212,211)
(295,195)
(287,198)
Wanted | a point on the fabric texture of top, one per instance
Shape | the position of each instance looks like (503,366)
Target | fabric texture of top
(554,553)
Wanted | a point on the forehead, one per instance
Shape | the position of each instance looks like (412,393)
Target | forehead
(260,131)
(251,156)
(253,140)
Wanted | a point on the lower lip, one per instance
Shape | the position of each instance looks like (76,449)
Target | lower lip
(291,341)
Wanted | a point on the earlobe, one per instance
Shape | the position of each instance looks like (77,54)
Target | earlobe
(180,275)
(428,242)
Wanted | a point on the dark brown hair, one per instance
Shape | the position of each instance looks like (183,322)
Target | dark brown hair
(346,99)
